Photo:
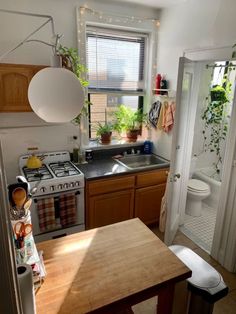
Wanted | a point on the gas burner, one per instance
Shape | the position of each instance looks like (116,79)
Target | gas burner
(63,169)
(38,174)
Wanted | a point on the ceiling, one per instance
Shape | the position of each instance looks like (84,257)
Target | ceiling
(155,3)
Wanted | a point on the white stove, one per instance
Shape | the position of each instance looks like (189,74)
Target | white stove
(57,174)
(57,179)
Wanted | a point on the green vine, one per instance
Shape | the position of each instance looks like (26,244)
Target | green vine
(71,61)
(215,117)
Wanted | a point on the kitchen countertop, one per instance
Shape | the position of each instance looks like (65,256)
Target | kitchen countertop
(107,167)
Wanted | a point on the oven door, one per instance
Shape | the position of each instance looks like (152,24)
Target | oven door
(79,194)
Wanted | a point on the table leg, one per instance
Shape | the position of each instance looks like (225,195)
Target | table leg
(165,299)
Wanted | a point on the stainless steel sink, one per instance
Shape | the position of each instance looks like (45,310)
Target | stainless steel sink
(143,162)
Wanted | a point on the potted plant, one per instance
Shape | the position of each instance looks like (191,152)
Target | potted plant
(218,93)
(215,118)
(105,132)
(130,121)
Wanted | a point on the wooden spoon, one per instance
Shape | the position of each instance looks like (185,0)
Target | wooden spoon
(28,203)
(19,197)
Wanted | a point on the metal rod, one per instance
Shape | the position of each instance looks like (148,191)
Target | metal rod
(40,41)
(221,66)
(31,14)
(49,19)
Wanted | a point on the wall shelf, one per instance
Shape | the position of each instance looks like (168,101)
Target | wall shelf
(170,92)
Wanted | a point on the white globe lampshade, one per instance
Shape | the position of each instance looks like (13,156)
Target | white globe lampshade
(56,95)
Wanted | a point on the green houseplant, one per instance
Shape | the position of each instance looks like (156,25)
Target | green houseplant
(71,61)
(215,117)
(130,121)
(105,132)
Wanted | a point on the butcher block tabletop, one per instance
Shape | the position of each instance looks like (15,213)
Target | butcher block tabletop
(108,269)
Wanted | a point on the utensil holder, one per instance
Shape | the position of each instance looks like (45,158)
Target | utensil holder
(23,253)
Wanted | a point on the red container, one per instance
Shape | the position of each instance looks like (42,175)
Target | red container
(158,83)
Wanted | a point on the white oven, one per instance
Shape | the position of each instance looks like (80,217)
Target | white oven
(58,182)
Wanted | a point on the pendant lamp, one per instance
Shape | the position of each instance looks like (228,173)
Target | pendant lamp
(56,95)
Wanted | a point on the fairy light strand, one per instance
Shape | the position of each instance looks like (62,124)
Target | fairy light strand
(110,18)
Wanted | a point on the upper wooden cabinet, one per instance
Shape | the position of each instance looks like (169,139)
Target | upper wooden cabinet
(14,82)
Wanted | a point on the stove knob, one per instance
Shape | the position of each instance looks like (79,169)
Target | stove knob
(43,189)
(72,184)
(52,188)
(77,183)
(60,186)
(66,185)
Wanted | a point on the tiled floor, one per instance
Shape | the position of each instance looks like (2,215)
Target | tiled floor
(201,229)
(227,305)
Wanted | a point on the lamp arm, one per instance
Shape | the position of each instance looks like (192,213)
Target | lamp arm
(40,41)
(32,14)
(49,19)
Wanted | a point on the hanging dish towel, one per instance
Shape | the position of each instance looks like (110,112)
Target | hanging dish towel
(163,212)
(160,118)
(46,214)
(67,204)
(168,117)
(154,113)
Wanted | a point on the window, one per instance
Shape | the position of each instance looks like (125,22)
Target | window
(116,72)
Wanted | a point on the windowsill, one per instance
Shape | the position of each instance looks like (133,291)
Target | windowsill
(96,145)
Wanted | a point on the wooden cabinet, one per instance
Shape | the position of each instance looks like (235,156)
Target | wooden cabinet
(150,188)
(148,203)
(110,208)
(14,82)
(123,197)
(109,201)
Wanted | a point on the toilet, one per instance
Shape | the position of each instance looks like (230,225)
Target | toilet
(197,191)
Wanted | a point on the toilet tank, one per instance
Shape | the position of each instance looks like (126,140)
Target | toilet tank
(192,166)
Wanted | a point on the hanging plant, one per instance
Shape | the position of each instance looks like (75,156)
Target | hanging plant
(215,117)
(71,61)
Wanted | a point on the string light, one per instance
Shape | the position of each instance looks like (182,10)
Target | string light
(125,19)
(109,18)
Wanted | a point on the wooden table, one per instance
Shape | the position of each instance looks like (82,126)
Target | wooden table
(108,269)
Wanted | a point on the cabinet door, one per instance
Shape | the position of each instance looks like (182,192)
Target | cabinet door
(148,203)
(110,208)
(14,82)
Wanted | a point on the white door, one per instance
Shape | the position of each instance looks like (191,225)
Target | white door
(186,104)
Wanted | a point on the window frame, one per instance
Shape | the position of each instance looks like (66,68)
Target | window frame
(143,72)
(140,24)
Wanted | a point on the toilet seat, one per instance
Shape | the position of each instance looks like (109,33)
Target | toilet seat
(197,186)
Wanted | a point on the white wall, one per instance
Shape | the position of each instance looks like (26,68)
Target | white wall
(192,24)
(16,28)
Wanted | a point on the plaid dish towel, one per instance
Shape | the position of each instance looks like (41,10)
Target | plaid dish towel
(67,204)
(46,214)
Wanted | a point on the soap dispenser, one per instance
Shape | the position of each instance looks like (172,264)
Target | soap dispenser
(147,147)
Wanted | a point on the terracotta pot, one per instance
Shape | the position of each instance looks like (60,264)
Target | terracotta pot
(106,138)
(132,135)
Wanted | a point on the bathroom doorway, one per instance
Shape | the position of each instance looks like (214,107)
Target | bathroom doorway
(212,120)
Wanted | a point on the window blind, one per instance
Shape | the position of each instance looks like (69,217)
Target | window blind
(115,60)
